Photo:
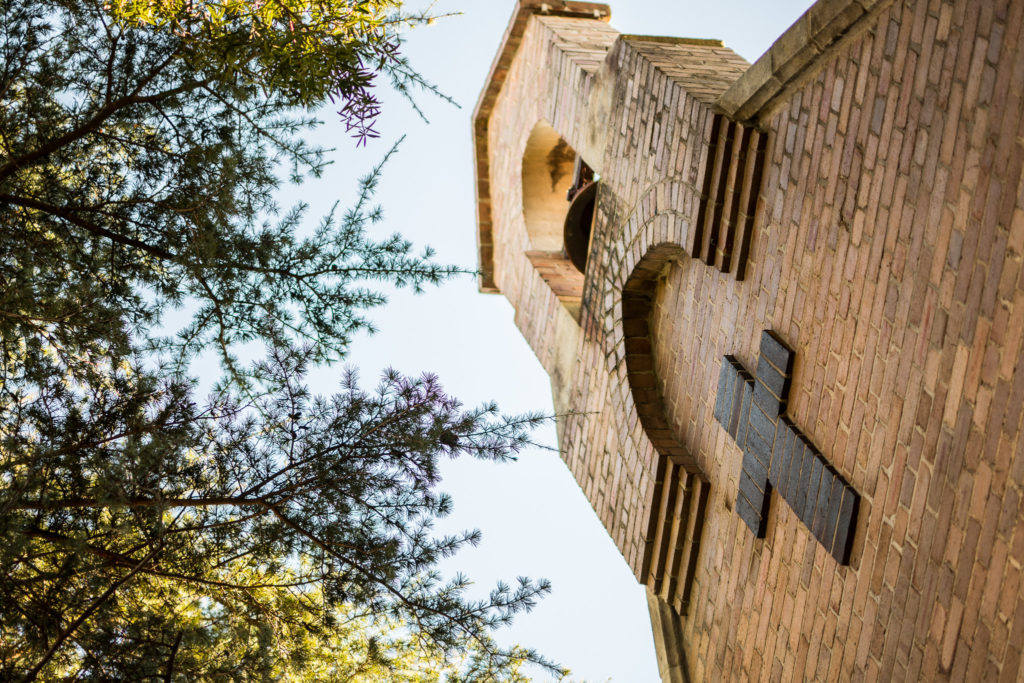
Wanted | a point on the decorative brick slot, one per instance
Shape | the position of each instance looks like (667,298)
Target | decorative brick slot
(681,498)
(732,181)
(776,454)
(681,491)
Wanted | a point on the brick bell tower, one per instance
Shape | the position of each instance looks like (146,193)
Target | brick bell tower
(782,309)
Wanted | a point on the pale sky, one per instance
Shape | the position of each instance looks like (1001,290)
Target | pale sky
(535,519)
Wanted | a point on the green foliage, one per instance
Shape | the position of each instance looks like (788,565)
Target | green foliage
(242,529)
(307,50)
(260,531)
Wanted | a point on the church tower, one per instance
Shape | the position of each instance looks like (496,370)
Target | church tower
(782,309)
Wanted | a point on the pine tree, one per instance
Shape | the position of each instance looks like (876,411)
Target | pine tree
(143,527)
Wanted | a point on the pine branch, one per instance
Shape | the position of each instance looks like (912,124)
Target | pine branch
(89,611)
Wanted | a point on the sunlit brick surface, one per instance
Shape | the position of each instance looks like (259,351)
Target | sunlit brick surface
(886,252)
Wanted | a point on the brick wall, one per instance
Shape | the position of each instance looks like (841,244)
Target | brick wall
(886,251)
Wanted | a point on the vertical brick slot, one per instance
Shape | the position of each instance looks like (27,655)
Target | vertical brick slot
(750,189)
(733,197)
(677,534)
(728,200)
(716,197)
(663,536)
(700,230)
(698,490)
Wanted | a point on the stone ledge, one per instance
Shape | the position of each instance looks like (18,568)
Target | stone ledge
(795,51)
(672,40)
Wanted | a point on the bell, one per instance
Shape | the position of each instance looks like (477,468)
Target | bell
(578,221)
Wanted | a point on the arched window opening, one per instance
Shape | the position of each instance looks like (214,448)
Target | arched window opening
(679,504)
(559,197)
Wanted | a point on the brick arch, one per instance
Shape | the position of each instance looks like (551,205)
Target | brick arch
(637,301)
(657,233)
(662,215)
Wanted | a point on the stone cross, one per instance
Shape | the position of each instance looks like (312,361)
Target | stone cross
(776,454)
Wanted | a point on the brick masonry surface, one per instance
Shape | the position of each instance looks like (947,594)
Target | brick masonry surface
(886,252)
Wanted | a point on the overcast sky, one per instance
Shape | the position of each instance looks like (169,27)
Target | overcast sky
(535,519)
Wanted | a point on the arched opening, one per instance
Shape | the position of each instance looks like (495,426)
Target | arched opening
(548,163)
(681,491)
(559,197)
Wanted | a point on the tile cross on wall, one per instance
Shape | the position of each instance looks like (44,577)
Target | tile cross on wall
(776,454)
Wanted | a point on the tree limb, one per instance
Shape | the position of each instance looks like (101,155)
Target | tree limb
(170,660)
(101,115)
(71,216)
(81,503)
(89,611)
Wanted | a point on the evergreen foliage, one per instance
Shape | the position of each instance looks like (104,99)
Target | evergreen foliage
(306,50)
(260,532)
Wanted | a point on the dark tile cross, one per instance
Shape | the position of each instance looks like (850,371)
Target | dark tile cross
(777,455)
